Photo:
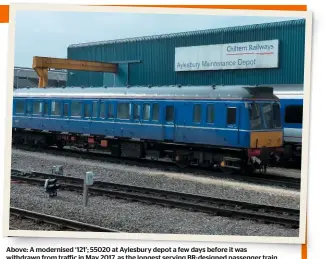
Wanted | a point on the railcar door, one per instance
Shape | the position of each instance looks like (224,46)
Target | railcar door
(232,124)
(169,122)
(65,126)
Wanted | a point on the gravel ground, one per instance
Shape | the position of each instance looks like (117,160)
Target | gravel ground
(141,176)
(136,217)
(28,224)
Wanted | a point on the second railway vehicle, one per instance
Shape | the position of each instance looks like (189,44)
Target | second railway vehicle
(291,101)
(229,127)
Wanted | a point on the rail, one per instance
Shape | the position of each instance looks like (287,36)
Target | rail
(219,207)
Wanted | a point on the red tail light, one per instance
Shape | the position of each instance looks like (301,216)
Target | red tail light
(253,152)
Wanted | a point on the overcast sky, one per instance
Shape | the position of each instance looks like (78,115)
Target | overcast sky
(50,33)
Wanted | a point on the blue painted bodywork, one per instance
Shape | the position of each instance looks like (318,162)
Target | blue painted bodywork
(181,130)
(292,131)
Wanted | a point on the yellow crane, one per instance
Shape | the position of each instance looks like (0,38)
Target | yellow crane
(42,64)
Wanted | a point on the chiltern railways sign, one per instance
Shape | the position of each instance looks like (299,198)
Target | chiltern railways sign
(245,55)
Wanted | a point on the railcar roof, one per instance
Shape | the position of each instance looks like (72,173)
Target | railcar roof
(155,92)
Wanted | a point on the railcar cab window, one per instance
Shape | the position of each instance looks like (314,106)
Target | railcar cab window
(197,110)
(146,112)
(56,108)
(20,106)
(255,116)
(277,115)
(169,113)
(155,112)
(37,107)
(210,113)
(76,109)
(124,111)
(268,115)
(293,114)
(231,115)
(136,111)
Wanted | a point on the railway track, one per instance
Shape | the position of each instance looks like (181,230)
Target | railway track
(219,207)
(62,223)
(264,179)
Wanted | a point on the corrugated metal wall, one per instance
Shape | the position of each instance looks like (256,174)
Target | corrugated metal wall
(157,56)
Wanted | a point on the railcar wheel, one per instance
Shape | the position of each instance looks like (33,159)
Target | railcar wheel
(182,164)
(60,145)
(228,170)
(247,170)
(182,161)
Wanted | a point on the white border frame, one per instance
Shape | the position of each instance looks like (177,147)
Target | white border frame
(130,236)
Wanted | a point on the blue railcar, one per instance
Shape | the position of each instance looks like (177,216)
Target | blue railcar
(291,116)
(221,126)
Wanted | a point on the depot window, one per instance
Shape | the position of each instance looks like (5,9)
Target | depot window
(293,114)
(197,113)
(20,106)
(76,109)
(155,112)
(124,111)
(136,111)
(56,108)
(146,112)
(231,115)
(210,113)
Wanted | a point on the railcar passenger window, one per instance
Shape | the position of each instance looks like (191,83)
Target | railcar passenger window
(231,115)
(102,110)
(46,108)
(56,108)
(210,113)
(197,113)
(66,110)
(146,112)
(20,106)
(95,105)
(155,112)
(136,111)
(110,111)
(123,111)
(76,109)
(293,114)
(169,113)
(29,107)
(37,107)
(87,110)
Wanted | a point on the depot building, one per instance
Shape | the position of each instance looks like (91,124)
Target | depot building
(259,54)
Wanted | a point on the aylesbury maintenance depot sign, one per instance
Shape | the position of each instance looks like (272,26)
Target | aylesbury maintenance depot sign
(244,55)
